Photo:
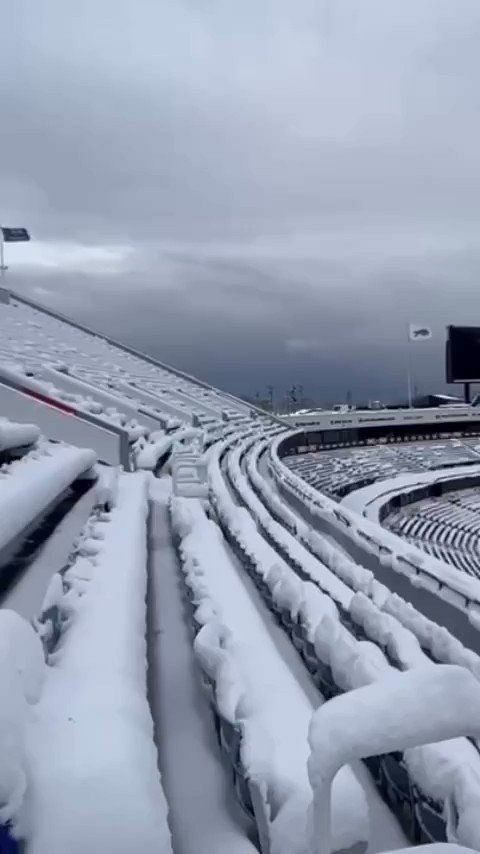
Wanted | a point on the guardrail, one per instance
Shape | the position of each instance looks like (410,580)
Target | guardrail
(441,591)
(61,422)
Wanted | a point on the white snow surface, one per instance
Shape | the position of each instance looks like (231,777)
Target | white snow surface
(30,484)
(369,499)
(94,780)
(151,452)
(22,670)
(106,487)
(205,816)
(13,435)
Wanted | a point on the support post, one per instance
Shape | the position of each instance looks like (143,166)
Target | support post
(4,295)
(466,391)
(409,369)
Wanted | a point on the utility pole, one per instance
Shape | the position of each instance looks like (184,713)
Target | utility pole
(293,397)
(270,390)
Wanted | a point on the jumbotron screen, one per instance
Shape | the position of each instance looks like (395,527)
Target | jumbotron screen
(463,354)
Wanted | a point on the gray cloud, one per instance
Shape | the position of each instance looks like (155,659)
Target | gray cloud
(295,181)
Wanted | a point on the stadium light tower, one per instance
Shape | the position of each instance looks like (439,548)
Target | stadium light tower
(9,235)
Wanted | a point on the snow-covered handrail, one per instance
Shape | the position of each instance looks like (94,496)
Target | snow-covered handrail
(403,711)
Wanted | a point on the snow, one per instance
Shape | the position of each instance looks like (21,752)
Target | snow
(21,651)
(29,588)
(92,741)
(369,500)
(22,669)
(256,690)
(385,630)
(13,435)
(436,639)
(106,487)
(204,814)
(29,485)
(109,414)
(151,452)
(354,575)
(298,553)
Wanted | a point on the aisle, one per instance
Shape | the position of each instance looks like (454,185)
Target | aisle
(204,817)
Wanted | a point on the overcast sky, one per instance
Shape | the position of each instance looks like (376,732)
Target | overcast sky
(263,191)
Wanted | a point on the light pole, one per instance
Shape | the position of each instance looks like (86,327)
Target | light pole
(3,268)
(9,235)
(270,390)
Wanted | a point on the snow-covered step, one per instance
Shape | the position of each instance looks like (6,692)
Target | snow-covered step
(204,814)
(93,779)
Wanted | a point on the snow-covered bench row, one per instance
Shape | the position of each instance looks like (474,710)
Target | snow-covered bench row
(437,774)
(399,643)
(13,435)
(424,571)
(30,485)
(263,714)
(150,453)
(83,403)
(437,641)
(283,541)
(355,576)
(38,338)
(360,615)
(93,779)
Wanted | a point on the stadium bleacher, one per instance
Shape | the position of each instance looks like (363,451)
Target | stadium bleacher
(447,527)
(339,472)
(220,508)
